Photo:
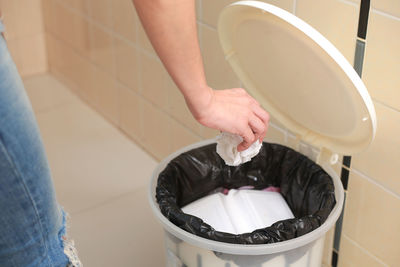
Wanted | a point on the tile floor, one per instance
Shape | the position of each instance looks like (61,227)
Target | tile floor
(101,179)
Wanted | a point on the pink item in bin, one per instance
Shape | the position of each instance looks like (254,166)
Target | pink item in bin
(272,189)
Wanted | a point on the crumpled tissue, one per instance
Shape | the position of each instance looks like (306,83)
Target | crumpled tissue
(227,149)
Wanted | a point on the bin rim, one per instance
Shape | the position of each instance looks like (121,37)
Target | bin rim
(240,249)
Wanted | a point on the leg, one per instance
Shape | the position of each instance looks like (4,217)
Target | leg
(31,222)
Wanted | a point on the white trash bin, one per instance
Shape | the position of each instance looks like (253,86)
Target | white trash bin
(305,83)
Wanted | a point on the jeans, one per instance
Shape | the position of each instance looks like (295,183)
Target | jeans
(32,224)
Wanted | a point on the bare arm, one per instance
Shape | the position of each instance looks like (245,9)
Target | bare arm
(171,27)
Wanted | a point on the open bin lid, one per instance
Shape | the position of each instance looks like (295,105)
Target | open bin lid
(298,76)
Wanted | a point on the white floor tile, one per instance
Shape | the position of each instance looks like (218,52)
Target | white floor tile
(100,177)
(91,161)
(121,233)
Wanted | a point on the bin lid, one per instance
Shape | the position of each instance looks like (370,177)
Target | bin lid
(298,76)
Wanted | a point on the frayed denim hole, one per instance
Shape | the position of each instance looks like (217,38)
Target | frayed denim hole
(68,245)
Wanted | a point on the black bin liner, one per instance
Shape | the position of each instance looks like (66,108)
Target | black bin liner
(306,187)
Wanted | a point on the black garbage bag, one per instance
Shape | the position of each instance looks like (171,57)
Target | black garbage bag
(306,187)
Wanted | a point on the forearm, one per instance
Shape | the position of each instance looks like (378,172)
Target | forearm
(171,27)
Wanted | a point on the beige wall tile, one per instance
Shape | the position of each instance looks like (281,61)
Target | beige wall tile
(144,40)
(13,48)
(381,67)
(72,29)
(198,9)
(181,136)
(382,159)
(56,17)
(126,63)
(81,6)
(336,20)
(69,27)
(389,6)
(22,18)
(130,110)
(124,18)
(106,95)
(85,77)
(208,133)
(52,50)
(24,32)
(178,108)
(156,131)
(79,37)
(28,18)
(70,67)
(219,73)
(153,79)
(47,11)
(100,11)
(274,135)
(51,11)
(372,219)
(32,54)
(212,8)
(10,19)
(101,49)
(352,255)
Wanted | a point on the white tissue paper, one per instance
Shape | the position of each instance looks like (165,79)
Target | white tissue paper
(241,211)
(227,148)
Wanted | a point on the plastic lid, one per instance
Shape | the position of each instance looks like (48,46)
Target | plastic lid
(298,76)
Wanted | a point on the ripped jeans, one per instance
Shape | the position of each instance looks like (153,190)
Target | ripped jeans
(32,224)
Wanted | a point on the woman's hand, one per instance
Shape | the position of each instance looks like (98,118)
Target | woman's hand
(233,111)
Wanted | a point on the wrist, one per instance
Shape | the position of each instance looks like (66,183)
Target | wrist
(198,100)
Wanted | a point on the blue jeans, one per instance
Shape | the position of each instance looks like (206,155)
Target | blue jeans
(32,224)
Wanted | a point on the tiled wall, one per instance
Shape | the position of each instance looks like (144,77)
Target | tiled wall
(371,227)
(25,34)
(99,49)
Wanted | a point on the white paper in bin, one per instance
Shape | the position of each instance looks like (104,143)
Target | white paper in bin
(240,211)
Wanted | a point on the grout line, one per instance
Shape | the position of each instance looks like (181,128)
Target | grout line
(383,13)
(349,3)
(109,201)
(380,185)
(42,111)
(385,105)
(200,8)
(207,25)
(27,36)
(364,250)
(294,7)
(361,40)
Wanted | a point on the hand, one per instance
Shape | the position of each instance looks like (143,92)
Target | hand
(233,111)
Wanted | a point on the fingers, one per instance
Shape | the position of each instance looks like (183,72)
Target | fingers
(258,128)
(235,111)
(257,118)
(264,117)
(262,114)
(248,139)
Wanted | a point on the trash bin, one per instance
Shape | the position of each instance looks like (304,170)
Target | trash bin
(310,88)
